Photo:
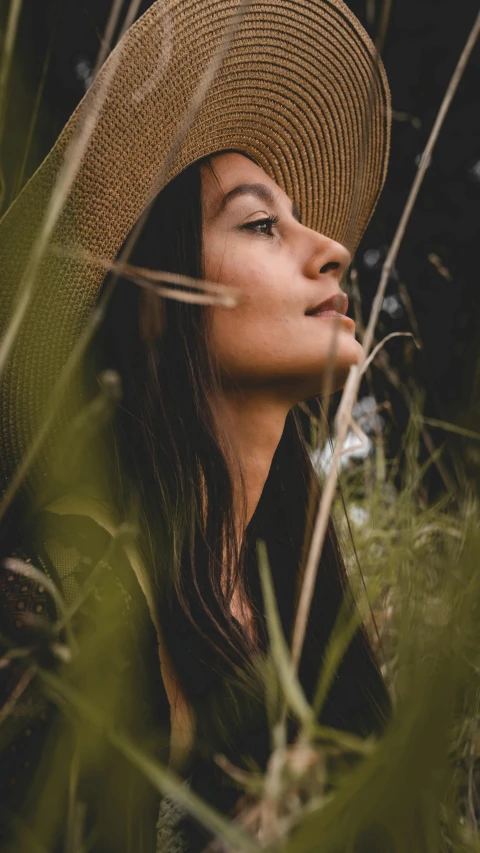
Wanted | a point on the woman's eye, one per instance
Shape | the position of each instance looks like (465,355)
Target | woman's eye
(261,226)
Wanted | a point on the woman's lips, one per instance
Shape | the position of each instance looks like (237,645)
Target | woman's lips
(330,312)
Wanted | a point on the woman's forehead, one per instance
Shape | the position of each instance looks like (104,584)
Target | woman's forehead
(231,174)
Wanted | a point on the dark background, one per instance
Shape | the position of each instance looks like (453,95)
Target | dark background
(434,289)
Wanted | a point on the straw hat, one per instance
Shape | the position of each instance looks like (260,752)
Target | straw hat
(296,85)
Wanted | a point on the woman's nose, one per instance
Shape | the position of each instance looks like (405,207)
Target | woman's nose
(327,256)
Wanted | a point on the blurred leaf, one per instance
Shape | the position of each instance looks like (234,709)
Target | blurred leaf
(164,779)
(394,795)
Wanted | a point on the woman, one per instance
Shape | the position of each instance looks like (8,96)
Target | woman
(266,189)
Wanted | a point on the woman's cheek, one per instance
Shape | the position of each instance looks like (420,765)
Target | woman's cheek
(235,340)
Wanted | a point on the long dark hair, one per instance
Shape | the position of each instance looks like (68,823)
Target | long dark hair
(172,466)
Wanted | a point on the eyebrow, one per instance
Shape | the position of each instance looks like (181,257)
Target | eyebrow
(262,192)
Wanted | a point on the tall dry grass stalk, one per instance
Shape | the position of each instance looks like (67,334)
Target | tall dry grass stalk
(132,13)
(8,48)
(344,414)
(106,43)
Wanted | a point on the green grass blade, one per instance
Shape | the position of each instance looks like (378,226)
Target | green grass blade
(292,690)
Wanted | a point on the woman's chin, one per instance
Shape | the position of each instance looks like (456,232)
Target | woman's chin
(333,373)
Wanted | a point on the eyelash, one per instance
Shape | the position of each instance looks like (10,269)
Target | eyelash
(267,220)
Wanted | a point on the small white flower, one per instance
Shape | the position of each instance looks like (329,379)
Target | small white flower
(371,258)
(392,306)
(359,516)
(353,448)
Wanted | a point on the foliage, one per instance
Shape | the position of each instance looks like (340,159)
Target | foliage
(415,788)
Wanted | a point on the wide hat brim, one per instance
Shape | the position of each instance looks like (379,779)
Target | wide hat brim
(300,89)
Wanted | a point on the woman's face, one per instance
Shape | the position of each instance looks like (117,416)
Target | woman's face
(289,335)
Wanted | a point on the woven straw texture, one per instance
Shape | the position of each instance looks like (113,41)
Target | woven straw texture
(300,90)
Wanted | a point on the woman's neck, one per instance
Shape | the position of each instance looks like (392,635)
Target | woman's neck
(252,424)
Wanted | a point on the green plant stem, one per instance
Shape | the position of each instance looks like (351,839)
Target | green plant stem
(292,690)
(36,108)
